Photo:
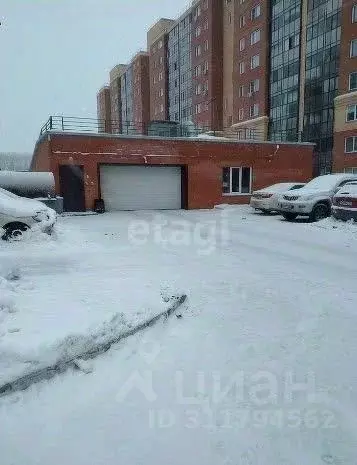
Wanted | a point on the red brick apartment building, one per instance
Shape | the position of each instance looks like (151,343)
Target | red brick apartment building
(130,173)
(158,69)
(345,143)
(104,110)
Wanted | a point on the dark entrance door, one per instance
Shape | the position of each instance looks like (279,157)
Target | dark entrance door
(72,187)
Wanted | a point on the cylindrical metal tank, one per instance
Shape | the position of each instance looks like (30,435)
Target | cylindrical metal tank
(29,184)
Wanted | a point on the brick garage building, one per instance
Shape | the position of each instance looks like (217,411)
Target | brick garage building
(131,173)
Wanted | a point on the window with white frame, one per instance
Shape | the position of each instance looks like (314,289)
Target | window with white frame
(161,108)
(161,60)
(351,144)
(254,86)
(241,91)
(353,48)
(236,180)
(254,110)
(354,13)
(160,44)
(241,21)
(351,113)
(254,61)
(241,67)
(198,89)
(242,44)
(198,108)
(198,31)
(154,79)
(205,67)
(352,85)
(205,26)
(255,37)
(197,11)
(160,76)
(206,45)
(161,92)
(198,71)
(255,12)
(352,170)
(198,50)
(229,17)
(241,114)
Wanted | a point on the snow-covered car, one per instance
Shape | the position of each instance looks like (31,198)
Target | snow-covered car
(314,200)
(266,200)
(18,214)
(344,202)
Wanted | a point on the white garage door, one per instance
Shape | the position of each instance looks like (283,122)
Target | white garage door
(140,187)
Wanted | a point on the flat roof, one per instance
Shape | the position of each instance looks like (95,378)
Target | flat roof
(219,140)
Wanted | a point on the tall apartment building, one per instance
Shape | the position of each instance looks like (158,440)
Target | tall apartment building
(304,70)
(104,110)
(282,70)
(345,129)
(157,40)
(115,97)
(245,67)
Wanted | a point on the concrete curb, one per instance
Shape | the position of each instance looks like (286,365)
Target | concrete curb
(43,374)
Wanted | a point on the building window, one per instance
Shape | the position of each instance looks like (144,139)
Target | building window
(241,67)
(254,61)
(254,86)
(242,44)
(241,114)
(354,13)
(241,91)
(230,18)
(198,108)
(198,89)
(205,67)
(353,48)
(254,110)
(160,76)
(353,81)
(154,79)
(255,12)
(198,71)
(161,60)
(161,108)
(236,180)
(351,144)
(351,113)
(205,4)
(241,21)
(161,92)
(206,45)
(197,12)
(198,50)
(205,26)
(255,37)
(198,31)
(160,44)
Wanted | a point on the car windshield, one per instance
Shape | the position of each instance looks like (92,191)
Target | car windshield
(325,182)
(280,187)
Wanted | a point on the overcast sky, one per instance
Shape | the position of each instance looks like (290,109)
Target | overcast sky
(56,54)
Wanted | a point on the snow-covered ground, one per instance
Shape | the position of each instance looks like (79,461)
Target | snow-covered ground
(271,304)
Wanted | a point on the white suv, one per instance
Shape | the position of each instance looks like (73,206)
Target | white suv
(314,199)
(17,214)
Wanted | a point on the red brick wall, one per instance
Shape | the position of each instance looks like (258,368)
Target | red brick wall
(156,99)
(342,160)
(261,49)
(41,158)
(204,161)
(348,32)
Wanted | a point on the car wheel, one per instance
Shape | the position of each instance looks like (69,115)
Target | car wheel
(290,216)
(14,231)
(319,212)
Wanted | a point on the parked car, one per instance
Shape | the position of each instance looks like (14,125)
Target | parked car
(266,200)
(18,214)
(344,202)
(314,200)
